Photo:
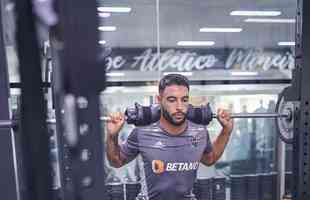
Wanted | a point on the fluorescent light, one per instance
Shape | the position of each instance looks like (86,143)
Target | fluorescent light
(286,43)
(195,43)
(182,73)
(115,74)
(270,20)
(244,73)
(104,15)
(221,30)
(106,28)
(255,13)
(110,90)
(114,9)
(102,42)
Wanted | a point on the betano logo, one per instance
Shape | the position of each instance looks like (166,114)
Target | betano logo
(159,166)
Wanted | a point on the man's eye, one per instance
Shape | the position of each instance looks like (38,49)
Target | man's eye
(185,100)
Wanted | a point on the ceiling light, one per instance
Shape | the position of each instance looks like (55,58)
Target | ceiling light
(286,43)
(102,42)
(114,9)
(104,15)
(195,43)
(181,73)
(115,74)
(244,73)
(221,30)
(269,20)
(255,13)
(106,28)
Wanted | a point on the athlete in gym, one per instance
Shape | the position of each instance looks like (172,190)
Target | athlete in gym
(171,148)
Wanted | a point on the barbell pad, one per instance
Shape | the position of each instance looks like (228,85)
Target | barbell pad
(200,115)
(145,115)
(148,115)
(194,114)
(131,115)
(146,118)
(155,112)
(207,114)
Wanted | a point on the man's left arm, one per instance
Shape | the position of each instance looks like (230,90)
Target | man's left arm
(218,147)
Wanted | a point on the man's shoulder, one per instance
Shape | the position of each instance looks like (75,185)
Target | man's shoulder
(154,127)
(191,126)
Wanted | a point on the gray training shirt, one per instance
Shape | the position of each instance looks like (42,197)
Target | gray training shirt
(170,162)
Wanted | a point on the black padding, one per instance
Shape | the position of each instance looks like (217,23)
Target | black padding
(145,115)
(155,112)
(200,115)
(194,114)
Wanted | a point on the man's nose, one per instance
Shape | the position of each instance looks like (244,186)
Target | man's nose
(180,105)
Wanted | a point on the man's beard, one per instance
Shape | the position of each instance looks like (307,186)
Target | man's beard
(170,119)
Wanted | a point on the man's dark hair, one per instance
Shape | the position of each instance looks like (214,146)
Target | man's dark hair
(172,79)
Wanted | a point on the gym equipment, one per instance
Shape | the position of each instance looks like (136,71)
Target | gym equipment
(7,138)
(6,123)
(285,126)
(144,115)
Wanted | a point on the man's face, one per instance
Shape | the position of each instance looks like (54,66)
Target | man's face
(174,104)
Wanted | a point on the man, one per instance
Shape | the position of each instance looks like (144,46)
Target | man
(171,148)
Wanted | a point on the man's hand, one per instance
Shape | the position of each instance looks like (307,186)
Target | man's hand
(222,139)
(113,126)
(115,123)
(225,120)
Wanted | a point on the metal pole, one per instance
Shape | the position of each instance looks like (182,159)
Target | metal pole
(10,123)
(281,169)
(256,115)
(6,123)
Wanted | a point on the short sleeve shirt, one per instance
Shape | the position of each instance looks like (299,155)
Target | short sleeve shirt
(170,162)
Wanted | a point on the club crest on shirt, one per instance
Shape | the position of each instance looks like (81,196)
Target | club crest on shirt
(195,140)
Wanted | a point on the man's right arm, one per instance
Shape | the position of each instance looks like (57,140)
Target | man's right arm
(115,157)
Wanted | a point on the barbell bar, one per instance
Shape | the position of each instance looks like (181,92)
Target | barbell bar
(10,123)
(145,115)
(257,115)
(238,115)
(6,123)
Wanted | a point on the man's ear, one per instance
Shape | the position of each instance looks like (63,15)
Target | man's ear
(158,99)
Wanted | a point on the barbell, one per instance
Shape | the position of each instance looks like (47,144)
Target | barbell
(284,115)
(144,115)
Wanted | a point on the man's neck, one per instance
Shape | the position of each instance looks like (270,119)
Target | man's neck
(170,128)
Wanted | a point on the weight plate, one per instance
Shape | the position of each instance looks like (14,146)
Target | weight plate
(285,126)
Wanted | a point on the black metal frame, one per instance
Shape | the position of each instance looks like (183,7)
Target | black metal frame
(77,71)
(299,92)
(301,146)
(34,136)
(8,181)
